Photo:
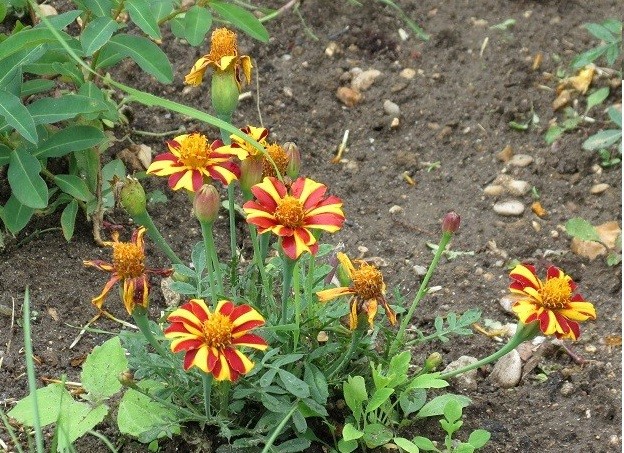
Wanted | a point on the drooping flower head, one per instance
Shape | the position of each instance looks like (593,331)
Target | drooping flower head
(128,266)
(192,159)
(211,339)
(223,56)
(367,289)
(553,302)
(292,213)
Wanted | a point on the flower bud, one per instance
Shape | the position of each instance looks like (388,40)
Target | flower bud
(433,361)
(450,222)
(132,197)
(126,378)
(206,204)
(251,172)
(224,93)
(294,159)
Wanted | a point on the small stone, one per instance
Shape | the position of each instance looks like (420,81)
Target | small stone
(50,357)
(536,226)
(395,123)
(395,209)
(391,108)
(465,381)
(398,87)
(331,49)
(493,190)
(518,187)
(364,80)
(322,336)
(507,302)
(488,277)
(539,210)
(352,166)
(598,188)
(348,96)
(419,270)
(506,154)
(408,73)
(509,208)
(567,388)
(507,371)
(590,348)
(172,299)
(554,234)
(521,160)
(403,34)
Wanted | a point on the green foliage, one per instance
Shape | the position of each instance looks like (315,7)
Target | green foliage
(609,33)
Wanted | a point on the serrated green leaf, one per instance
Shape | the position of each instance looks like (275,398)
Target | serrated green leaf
(379,397)
(197,23)
(68,219)
(602,139)
(350,432)
(406,445)
(478,438)
(597,97)
(36,86)
(51,110)
(376,435)
(97,33)
(16,215)
(582,229)
(26,183)
(74,186)
(17,116)
(70,139)
(144,52)
(242,19)
(99,7)
(101,370)
(293,384)
(142,16)
(436,406)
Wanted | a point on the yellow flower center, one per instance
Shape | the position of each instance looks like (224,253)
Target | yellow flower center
(128,260)
(280,158)
(194,151)
(218,331)
(556,293)
(367,282)
(222,44)
(290,212)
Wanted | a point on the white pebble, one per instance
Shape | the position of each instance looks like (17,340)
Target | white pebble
(395,209)
(518,187)
(407,73)
(465,381)
(493,190)
(507,302)
(364,79)
(598,188)
(507,371)
(391,108)
(509,208)
(567,388)
(521,160)
(419,270)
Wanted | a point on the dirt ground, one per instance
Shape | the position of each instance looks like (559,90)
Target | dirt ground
(468,82)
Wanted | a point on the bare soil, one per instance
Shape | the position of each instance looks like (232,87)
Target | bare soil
(470,82)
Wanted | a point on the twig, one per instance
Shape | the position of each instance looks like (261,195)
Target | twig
(279,11)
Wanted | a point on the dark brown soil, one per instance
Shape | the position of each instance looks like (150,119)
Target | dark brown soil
(455,111)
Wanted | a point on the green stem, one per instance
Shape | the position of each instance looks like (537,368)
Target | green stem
(356,336)
(212,260)
(233,251)
(288,268)
(268,292)
(144,219)
(224,399)
(405,320)
(524,332)
(139,314)
(279,428)
(297,304)
(207,381)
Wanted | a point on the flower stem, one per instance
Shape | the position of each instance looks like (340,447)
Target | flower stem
(207,381)
(139,314)
(356,336)
(288,268)
(255,240)
(524,332)
(233,251)
(212,260)
(297,304)
(279,428)
(405,320)
(144,219)
(224,398)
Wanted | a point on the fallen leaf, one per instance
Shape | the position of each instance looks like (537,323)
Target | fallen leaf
(579,82)
(562,100)
(136,157)
(608,233)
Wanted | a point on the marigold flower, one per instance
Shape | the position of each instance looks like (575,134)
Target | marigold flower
(367,288)
(259,134)
(292,213)
(211,340)
(128,266)
(223,56)
(552,302)
(280,159)
(191,159)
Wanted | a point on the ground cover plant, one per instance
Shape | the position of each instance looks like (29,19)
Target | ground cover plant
(325,349)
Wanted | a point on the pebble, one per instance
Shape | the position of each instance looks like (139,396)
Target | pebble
(536,226)
(507,371)
(465,381)
(419,270)
(590,348)
(391,108)
(521,160)
(395,123)
(493,190)
(172,299)
(506,154)
(567,388)
(365,79)
(395,209)
(598,188)
(518,187)
(507,301)
(509,208)
(348,96)
(408,73)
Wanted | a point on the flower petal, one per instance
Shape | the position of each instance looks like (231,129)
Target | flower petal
(333,293)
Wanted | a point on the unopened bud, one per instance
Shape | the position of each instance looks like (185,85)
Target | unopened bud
(126,378)
(206,204)
(132,197)
(294,159)
(433,361)
(450,222)
(224,93)
(251,172)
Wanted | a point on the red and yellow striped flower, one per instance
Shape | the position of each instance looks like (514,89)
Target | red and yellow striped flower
(211,340)
(191,160)
(553,302)
(292,213)
(367,288)
(128,266)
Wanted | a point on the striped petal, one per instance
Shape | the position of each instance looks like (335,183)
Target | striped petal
(251,340)
(99,264)
(99,300)
(333,293)
(525,275)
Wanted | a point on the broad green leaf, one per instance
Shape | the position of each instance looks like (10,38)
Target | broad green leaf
(616,116)
(600,32)
(3,10)
(142,16)
(97,33)
(26,183)
(602,139)
(376,435)
(428,381)
(311,408)
(436,406)
(452,411)
(347,446)
(317,382)
(101,369)
(17,116)
(379,397)
(177,27)
(412,400)
(74,186)
(52,110)
(295,445)
(60,21)
(16,215)
(597,97)
(241,18)
(144,52)
(293,384)
(5,154)
(99,7)
(478,438)
(613,25)
(553,133)
(350,432)
(197,23)
(68,219)
(582,229)
(70,139)
(35,86)
(161,8)
(424,444)
(406,445)
(13,82)
(28,39)
(14,62)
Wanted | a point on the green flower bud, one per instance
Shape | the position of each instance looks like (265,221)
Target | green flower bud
(294,159)
(251,172)
(132,197)
(206,204)
(433,361)
(224,93)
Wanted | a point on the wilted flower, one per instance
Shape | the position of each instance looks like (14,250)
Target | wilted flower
(292,213)
(552,302)
(191,159)
(128,266)
(367,288)
(211,339)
